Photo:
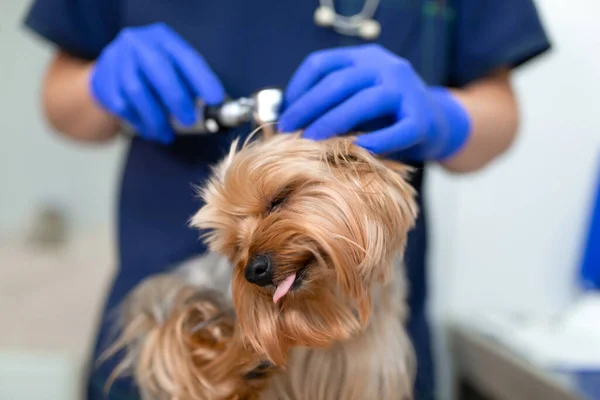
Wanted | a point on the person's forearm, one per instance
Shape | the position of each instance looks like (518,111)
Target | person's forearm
(68,104)
(493,109)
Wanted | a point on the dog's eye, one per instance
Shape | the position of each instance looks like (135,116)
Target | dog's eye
(237,248)
(260,371)
(278,200)
(276,203)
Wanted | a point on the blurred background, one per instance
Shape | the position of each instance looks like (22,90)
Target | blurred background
(508,242)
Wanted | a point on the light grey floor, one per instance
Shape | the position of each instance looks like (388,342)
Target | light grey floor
(49,304)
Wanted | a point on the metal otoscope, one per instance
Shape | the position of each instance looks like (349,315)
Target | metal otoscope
(263,107)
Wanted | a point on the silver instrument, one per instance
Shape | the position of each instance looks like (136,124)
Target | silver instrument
(263,107)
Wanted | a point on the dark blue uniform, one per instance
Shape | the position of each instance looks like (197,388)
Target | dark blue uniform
(255,43)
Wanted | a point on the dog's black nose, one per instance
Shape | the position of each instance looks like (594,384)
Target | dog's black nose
(259,270)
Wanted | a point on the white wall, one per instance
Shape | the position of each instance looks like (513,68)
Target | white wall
(518,225)
(509,238)
(35,165)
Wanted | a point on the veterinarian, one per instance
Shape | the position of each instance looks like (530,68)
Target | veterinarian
(435,89)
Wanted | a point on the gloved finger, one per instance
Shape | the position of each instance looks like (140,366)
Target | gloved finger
(105,84)
(313,69)
(364,106)
(131,117)
(193,68)
(330,91)
(107,90)
(399,136)
(160,73)
(143,104)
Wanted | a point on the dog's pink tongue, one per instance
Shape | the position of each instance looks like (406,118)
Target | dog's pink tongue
(284,287)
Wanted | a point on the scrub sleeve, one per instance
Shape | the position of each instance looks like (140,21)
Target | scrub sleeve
(81,28)
(494,33)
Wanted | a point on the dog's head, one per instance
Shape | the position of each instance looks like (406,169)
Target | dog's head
(310,227)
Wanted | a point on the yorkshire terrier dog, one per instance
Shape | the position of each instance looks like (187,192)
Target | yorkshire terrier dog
(301,296)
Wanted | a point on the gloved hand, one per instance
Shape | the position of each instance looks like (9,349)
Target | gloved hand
(148,75)
(335,91)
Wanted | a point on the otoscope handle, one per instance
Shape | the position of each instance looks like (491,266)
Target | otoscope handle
(262,107)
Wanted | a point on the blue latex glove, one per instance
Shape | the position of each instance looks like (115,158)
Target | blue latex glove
(335,91)
(149,75)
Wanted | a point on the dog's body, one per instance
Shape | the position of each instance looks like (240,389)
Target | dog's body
(210,330)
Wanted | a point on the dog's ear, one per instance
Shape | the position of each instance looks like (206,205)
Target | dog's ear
(342,152)
(382,188)
(359,167)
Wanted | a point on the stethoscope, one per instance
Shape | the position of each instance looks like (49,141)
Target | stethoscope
(263,107)
(362,24)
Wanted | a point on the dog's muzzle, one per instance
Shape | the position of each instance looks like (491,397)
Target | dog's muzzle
(259,270)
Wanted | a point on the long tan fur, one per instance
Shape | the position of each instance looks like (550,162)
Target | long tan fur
(331,213)
(181,344)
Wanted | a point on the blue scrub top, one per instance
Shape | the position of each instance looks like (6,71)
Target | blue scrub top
(251,44)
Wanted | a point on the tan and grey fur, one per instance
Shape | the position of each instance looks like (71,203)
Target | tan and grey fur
(204,333)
